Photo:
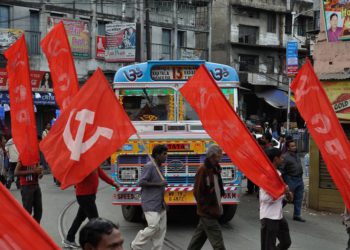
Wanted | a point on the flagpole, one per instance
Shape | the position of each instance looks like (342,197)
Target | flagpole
(288,105)
(150,157)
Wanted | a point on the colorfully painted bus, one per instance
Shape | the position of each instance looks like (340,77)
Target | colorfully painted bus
(149,93)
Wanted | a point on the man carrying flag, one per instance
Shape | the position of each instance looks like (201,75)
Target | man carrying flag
(85,134)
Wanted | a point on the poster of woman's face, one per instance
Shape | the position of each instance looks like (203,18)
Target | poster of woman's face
(46,82)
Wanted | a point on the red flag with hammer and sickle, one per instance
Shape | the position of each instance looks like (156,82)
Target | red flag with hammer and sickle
(323,124)
(23,125)
(88,131)
(64,76)
(225,127)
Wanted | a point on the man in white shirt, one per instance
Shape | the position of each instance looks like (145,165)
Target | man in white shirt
(273,224)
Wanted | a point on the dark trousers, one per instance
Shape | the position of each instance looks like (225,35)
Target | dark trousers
(252,187)
(87,209)
(296,185)
(11,175)
(272,230)
(32,201)
(207,229)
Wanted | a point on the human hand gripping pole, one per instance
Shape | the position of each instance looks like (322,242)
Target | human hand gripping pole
(151,158)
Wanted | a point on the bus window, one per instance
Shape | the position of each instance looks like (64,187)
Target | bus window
(186,113)
(148,104)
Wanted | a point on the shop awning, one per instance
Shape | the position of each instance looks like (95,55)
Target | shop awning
(276,98)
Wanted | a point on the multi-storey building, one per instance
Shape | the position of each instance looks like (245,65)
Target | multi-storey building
(165,30)
(251,36)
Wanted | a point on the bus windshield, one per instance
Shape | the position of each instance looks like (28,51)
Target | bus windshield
(186,112)
(148,104)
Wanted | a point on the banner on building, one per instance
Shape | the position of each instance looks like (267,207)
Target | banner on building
(39,80)
(120,42)
(78,35)
(9,36)
(337,19)
(338,93)
(100,47)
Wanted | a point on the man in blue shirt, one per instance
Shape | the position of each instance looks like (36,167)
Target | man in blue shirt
(152,201)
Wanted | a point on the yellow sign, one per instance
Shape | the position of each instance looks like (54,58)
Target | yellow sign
(179,197)
(339,96)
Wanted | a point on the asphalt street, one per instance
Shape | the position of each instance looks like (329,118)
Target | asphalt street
(322,231)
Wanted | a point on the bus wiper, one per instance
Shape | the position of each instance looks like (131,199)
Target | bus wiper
(147,97)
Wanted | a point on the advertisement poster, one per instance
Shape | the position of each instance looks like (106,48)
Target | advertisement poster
(78,32)
(40,80)
(337,19)
(339,96)
(121,42)
(100,47)
(292,58)
(9,36)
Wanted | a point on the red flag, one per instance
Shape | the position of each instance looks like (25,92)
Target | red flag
(64,76)
(323,124)
(18,230)
(226,128)
(89,130)
(23,124)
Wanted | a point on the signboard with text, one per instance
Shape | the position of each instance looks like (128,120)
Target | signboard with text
(100,47)
(292,58)
(338,93)
(120,42)
(78,35)
(337,19)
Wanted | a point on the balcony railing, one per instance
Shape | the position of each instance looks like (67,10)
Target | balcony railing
(33,42)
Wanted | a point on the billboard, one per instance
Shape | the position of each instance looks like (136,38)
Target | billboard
(120,42)
(100,47)
(292,58)
(337,19)
(40,80)
(78,33)
(9,36)
(338,93)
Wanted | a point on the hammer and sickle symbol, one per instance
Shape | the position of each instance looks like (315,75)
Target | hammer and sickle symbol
(76,146)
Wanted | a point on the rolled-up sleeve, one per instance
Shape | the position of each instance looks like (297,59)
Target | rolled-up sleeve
(146,175)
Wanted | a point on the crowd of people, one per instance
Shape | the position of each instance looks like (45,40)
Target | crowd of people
(100,233)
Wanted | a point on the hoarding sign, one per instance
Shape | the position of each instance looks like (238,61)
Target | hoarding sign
(9,36)
(100,47)
(337,19)
(40,80)
(120,42)
(292,58)
(78,35)
(338,93)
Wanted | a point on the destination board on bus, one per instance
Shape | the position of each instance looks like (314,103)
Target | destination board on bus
(172,73)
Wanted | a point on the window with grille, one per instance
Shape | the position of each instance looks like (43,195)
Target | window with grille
(4,17)
(248,63)
(248,34)
(271,22)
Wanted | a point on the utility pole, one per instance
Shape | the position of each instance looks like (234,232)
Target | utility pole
(142,31)
(174,40)
(148,32)
(210,6)
(93,28)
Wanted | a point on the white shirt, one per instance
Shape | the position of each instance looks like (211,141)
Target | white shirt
(270,208)
(11,151)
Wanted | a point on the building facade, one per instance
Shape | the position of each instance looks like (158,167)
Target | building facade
(252,36)
(164,30)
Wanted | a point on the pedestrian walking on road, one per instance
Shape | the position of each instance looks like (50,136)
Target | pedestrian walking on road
(273,224)
(100,234)
(208,190)
(347,225)
(152,202)
(86,196)
(12,153)
(30,190)
(292,172)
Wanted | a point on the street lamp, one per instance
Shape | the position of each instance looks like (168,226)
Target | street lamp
(294,16)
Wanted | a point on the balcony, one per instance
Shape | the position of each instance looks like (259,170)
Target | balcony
(33,42)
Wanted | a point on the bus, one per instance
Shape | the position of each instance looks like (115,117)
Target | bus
(149,93)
